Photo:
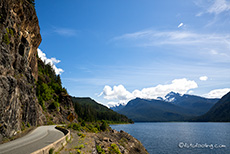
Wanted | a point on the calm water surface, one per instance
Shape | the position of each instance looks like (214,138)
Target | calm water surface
(181,138)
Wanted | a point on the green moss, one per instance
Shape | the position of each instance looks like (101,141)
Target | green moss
(123,141)
(114,149)
(23,126)
(6,38)
(7,30)
(81,135)
(78,151)
(81,146)
(100,150)
(28,124)
(11,32)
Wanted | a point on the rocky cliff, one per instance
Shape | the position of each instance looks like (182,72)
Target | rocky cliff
(19,40)
(118,142)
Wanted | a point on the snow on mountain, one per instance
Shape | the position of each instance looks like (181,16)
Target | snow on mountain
(172,97)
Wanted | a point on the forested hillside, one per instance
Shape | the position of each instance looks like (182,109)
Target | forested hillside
(53,98)
(89,110)
(220,112)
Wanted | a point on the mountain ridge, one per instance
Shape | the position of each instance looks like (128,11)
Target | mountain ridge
(220,112)
(182,108)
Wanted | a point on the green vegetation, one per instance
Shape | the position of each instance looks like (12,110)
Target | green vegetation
(6,38)
(93,127)
(90,111)
(123,141)
(100,150)
(81,146)
(114,149)
(81,135)
(51,151)
(78,151)
(7,35)
(49,87)
(28,124)
(10,31)
(104,126)
(23,126)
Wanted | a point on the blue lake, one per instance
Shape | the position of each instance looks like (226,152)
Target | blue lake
(181,138)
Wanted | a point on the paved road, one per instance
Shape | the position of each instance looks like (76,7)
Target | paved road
(37,139)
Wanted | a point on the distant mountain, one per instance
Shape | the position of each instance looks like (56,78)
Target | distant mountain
(198,105)
(154,110)
(172,97)
(220,112)
(89,110)
(117,107)
(174,107)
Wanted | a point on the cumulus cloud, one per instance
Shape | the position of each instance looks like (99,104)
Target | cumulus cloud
(217,93)
(122,96)
(178,85)
(203,78)
(180,25)
(51,61)
(118,92)
(112,104)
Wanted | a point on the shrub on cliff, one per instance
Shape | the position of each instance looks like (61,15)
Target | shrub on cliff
(104,126)
(49,87)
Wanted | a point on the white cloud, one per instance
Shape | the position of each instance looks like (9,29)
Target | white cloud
(51,61)
(192,43)
(217,93)
(180,25)
(65,31)
(203,78)
(120,94)
(213,7)
(156,38)
(219,6)
(190,92)
(113,104)
(214,52)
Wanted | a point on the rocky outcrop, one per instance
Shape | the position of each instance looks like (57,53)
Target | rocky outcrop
(114,142)
(65,114)
(19,40)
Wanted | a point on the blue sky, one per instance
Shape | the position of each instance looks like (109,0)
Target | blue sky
(114,51)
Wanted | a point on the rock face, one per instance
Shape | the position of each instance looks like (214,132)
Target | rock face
(115,142)
(19,40)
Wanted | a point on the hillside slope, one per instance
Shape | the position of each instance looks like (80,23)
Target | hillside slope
(220,112)
(53,98)
(89,110)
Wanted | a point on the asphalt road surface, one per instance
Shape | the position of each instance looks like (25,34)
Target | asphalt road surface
(35,140)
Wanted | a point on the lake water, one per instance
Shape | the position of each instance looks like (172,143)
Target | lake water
(181,138)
